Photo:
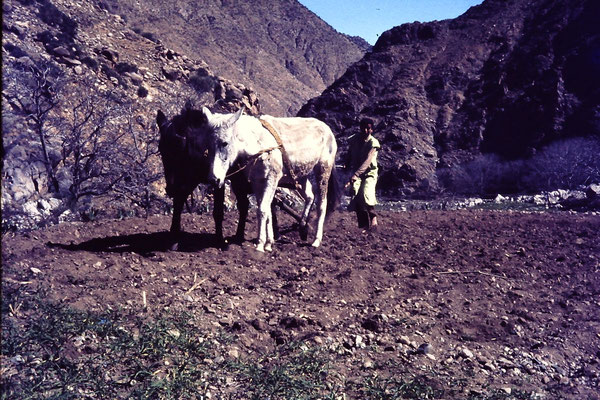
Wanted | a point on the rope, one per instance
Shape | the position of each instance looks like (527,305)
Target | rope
(252,160)
(284,155)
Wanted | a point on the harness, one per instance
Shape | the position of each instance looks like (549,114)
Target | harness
(252,160)
(284,155)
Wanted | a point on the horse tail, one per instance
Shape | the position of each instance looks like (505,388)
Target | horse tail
(334,193)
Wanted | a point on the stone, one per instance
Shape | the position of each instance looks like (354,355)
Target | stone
(171,73)
(72,61)
(233,92)
(233,353)
(136,78)
(424,348)
(466,353)
(259,325)
(593,191)
(404,340)
(374,323)
(358,341)
(61,51)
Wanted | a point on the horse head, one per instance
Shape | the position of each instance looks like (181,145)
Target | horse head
(223,144)
(183,149)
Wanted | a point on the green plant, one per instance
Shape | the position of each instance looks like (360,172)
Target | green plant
(70,353)
(293,371)
(375,387)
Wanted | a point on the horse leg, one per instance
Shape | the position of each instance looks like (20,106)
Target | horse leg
(264,190)
(270,235)
(175,231)
(274,219)
(323,181)
(219,212)
(243,204)
(309,199)
(262,215)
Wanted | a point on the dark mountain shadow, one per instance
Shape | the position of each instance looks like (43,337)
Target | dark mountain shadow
(144,244)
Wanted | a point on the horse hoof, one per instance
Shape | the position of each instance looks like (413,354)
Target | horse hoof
(238,240)
(304,232)
(316,243)
(268,247)
(260,247)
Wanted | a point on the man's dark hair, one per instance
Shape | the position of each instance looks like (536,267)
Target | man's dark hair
(365,122)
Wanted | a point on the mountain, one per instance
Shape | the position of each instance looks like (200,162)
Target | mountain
(491,90)
(82,83)
(280,49)
(80,95)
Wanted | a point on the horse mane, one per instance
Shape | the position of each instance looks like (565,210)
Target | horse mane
(191,117)
(178,132)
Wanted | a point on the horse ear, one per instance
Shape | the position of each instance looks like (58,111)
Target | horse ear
(189,105)
(160,118)
(207,113)
(233,119)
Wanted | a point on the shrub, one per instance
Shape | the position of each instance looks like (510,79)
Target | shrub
(202,84)
(486,175)
(142,91)
(564,164)
(111,73)
(90,62)
(52,16)
(150,36)
(124,67)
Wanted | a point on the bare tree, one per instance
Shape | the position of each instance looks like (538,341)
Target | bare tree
(90,146)
(565,164)
(95,146)
(140,162)
(38,100)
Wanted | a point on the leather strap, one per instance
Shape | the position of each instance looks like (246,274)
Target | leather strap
(284,155)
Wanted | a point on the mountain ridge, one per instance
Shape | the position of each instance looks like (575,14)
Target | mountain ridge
(252,44)
(505,79)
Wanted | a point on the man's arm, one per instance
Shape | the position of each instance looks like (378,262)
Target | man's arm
(363,167)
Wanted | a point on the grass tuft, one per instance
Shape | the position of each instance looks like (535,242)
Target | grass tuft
(53,351)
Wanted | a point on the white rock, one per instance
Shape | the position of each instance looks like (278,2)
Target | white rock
(233,353)
(464,352)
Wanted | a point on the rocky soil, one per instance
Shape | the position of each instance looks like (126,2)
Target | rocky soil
(477,301)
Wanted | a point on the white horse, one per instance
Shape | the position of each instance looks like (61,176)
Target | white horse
(285,152)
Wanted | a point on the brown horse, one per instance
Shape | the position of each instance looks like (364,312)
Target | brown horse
(184,154)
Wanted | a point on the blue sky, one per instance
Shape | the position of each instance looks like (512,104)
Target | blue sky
(369,18)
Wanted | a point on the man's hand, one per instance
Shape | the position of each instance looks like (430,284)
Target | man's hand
(351,181)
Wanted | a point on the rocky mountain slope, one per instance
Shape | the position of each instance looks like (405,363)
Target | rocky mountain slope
(280,49)
(506,78)
(82,82)
(80,96)
(82,85)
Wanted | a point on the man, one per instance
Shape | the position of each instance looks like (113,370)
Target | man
(362,163)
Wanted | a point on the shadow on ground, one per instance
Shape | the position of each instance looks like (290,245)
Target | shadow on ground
(144,244)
